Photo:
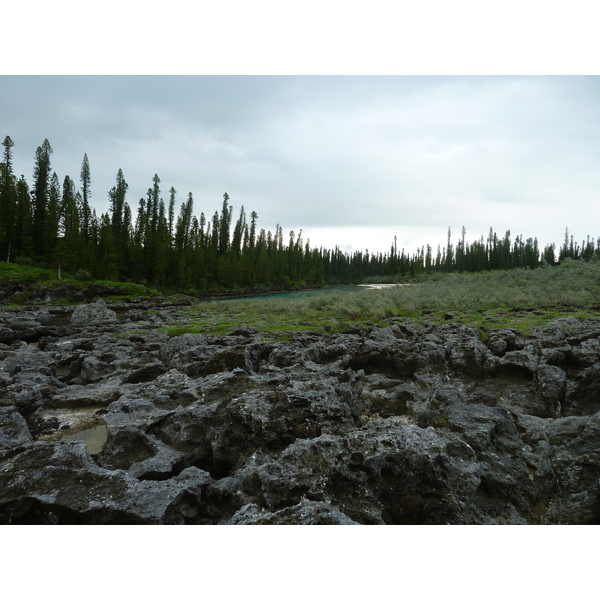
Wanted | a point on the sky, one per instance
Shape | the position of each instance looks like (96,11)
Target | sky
(353,159)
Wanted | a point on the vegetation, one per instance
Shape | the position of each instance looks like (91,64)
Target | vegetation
(47,224)
(27,280)
(519,298)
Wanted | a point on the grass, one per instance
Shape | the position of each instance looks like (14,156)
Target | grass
(25,274)
(524,321)
(520,299)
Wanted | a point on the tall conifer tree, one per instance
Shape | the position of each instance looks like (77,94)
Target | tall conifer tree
(86,193)
(8,201)
(41,184)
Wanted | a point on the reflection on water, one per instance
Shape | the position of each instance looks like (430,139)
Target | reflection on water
(381,286)
(93,437)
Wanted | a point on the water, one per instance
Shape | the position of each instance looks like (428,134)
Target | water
(319,292)
(94,437)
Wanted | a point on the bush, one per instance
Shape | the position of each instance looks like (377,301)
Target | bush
(83,275)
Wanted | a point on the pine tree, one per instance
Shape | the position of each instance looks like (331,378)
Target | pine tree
(67,253)
(172,193)
(8,201)
(107,251)
(253,219)
(51,223)
(182,233)
(138,268)
(91,248)
(238,232)
(460,251)
(41,184)
(449,252)
(550,254)
(505,258)
(120,228)
(8,146)
(24,246)
(153,203)
(86,184)
(428,259)
(225,225)
(162,245)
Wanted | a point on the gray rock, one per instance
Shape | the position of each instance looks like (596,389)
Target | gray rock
(13,429)
(551,383)
(59,483)
(97,313)
(306,512)
(401,425)
(501,341)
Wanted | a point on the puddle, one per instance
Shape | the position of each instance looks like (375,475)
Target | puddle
(87,424)
(93,437)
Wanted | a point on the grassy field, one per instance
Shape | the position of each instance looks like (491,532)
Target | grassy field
(519,298)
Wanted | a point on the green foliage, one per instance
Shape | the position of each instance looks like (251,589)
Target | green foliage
(30,277)
(127,288)
(521,299)
(83,275)
(176,331)
(26,274)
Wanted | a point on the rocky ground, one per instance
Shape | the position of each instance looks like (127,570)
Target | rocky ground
(104,419)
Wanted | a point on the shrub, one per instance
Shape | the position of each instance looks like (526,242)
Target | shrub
(83,275)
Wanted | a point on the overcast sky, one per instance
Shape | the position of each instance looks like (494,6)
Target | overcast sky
(351,160)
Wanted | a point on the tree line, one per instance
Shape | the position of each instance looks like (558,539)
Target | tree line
(53,224)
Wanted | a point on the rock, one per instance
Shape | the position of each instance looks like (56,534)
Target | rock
(22,325)
(469,357)
(198,355)
(93,369)
(84,395)
(501,341)
(13,429)
(97,313)
(60,484)
(585,354)
(551,383)
(404,424)
(583,392)
(306,512)
(518,365)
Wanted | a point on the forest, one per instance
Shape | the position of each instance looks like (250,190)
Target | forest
(50,224)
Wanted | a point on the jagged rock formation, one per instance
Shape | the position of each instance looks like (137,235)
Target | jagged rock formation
(399,425)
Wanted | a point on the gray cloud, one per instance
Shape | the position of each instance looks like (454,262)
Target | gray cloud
(405,154)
